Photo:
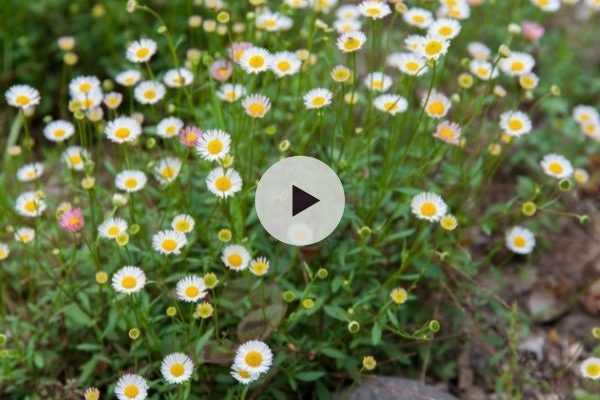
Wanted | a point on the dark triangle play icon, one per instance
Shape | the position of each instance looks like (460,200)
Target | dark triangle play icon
(301,200)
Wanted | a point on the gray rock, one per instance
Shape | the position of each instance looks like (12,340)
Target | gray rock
(392,388)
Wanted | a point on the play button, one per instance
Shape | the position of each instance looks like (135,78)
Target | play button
(299,200)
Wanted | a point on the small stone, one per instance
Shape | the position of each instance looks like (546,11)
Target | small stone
(392,388)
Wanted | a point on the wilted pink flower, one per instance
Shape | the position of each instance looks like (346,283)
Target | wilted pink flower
(532,30)
(190,135)
(221,70)
(236,50)
(72,220)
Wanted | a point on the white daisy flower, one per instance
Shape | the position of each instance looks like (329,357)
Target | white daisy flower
(285,63)
(447,28)
(260,266)
(414,43)
(190,289)
(113,100)
(30,204)
(59,130)
(176,368)
(178,77)
(269,21)
(460,10)
(520,240)
(378,81)
(130,180)
(584,114)
(112,228)
(141,50)
(347,25)
(408,63)
(390,103)
(374,9)
(235,257)
(83,86)
(75,157)
(438,105)
(169,127)
(484,70)
(557,166)
(479,51)
(547,5)
(4,251)
(224,183)
(428,206)
(131,387)
(183,223)
(30,172)
(167,170)
(88,101)
(24,235)
(517,64)
(433,47)
(213,145)
(255,60)
(256,105)
(418,17)
(129,280)
(230,92)
(347,11)
(590,367)
(128,78)
(317,98)
(515,123)
(123,130)
(449,132)
(168,242)
(351,41)
(149,92)
(254,356)
(22,96)
(243,376)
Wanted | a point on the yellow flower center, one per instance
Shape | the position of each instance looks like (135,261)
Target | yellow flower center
(31,206)
(593,370)
(418,19)
(433,48)
(59,133)
(254,358)
(390,105)
(169,244)
(428,209)
(515,124)
(215,146)
(284,66)
(519,241)
(555,168)
(446,133)
(351,44)
(318,101)
(129,282)
(113,231)
(256,109)
(131,183)
(412,66)
(122,133)
(192,291)
(377,84)
(445,31)
(435,107)
(177,369)
(22,100)
(259,268)
(85,87)
(373,12)
(182,226)
(171,130)
(167,172)
(142,52)
(256,61)
(223,183)
(235,260)
(244,374)
(517,66)
(150,94)
(75,159)
(483,72)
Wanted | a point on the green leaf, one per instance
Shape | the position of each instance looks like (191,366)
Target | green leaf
(376,334)
(309,376)
(336,312)
(333,353)
(76,315)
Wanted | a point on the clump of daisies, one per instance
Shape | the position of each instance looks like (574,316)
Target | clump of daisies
(252,359)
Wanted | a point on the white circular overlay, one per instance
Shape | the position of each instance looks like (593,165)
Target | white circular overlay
(303,186)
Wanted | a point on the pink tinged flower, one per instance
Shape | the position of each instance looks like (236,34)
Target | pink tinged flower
(532,30)
(189,136)
(236,50)
(72,220)
(221,70)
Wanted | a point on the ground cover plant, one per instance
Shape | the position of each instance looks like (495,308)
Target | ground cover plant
(132,262)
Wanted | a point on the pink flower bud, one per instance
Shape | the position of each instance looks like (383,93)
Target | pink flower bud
(532,31)
(72,220)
